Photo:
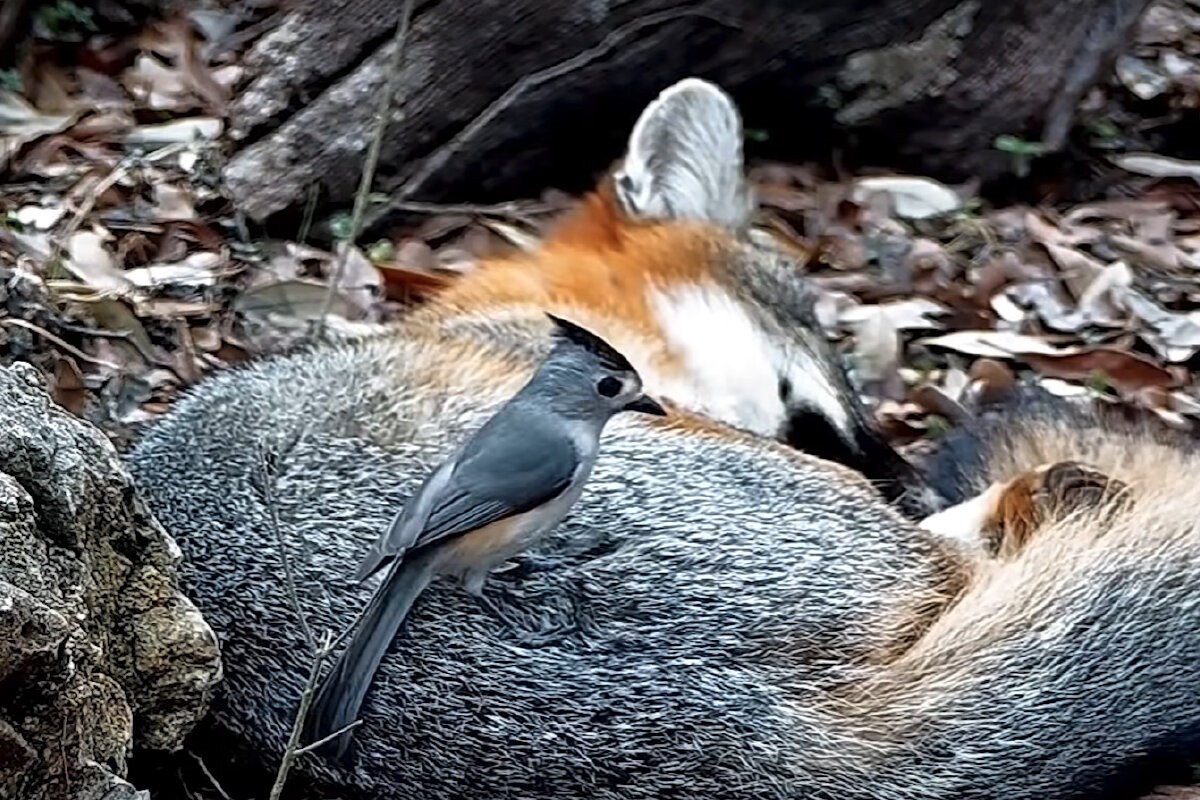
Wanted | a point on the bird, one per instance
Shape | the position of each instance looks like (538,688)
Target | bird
(510,483)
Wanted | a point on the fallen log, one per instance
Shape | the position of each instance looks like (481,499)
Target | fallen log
(497,99)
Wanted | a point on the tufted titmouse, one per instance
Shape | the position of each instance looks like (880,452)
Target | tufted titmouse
(511,482)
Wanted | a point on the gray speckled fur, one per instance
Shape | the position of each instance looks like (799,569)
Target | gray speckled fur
(734,620)
(682,633)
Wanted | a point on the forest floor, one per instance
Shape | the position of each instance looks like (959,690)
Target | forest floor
(126,276)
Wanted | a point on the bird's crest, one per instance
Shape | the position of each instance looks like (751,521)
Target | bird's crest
(608,355)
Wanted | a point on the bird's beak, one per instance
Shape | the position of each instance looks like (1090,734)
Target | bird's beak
(646,405)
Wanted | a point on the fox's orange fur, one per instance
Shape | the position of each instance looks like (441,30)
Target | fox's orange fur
(597,266)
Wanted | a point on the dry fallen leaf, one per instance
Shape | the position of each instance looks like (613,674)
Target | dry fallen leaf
(877,352)
(1157,166)
(996,344)
(1176,336)
(89,261)
(197,269)
(21,123)
(914,313)
(1127,372)
(911,197)
(180,131)
(172,202)
(296,300)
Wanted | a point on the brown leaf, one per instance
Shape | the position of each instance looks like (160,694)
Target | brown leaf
(70,392)
(1162,256)
(1121,210)
(1127,372)
(360,279)
(413,273)
(989,380)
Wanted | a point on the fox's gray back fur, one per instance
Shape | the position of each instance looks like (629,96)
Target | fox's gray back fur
(733,619)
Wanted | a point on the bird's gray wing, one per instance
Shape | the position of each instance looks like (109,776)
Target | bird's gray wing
(408,522)
(509,470)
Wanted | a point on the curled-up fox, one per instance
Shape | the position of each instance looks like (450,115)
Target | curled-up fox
(745,602)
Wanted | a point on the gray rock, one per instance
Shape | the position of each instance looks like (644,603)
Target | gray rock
(99,650)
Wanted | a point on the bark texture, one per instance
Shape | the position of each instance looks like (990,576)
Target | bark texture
(99,651)
(498,97)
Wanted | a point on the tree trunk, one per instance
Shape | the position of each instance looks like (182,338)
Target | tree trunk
(503,97)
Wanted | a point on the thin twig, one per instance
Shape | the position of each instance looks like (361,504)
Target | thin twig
(292,752)
(517,211)
(124,336)
(310,208)
(211,778)
(320,652)
(308,748)
(89,202)
(268,477)
(372,160)
(75,351)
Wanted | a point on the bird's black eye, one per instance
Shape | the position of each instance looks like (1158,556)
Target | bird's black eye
(609,386)
(785,390)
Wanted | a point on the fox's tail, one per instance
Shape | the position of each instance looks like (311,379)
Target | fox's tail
(1071,670)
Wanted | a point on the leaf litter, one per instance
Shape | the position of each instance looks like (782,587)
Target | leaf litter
(126,275)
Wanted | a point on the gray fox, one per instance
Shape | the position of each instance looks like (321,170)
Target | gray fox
(722,614)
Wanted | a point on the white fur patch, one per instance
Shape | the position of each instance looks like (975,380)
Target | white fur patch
(963,524)
(732,368)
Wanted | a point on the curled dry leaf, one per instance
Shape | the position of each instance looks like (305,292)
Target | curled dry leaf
(197,269)
(910,197)
(1157,166)
(1175,336)
(89,261)
(180,131)
(21,123)
(996,344)
(1127,372)
(1047,303)
(1120,210)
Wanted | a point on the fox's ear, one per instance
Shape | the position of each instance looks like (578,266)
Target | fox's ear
(685,159)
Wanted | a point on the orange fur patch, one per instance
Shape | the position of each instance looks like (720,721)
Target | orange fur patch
(597,268)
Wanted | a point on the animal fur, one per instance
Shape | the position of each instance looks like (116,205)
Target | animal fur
(721,615)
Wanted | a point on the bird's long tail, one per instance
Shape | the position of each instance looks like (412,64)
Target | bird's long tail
(345,686)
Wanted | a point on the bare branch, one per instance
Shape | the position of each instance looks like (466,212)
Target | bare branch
(372,160)
(268,492)
(292,752)
(308,748)
(212,779)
